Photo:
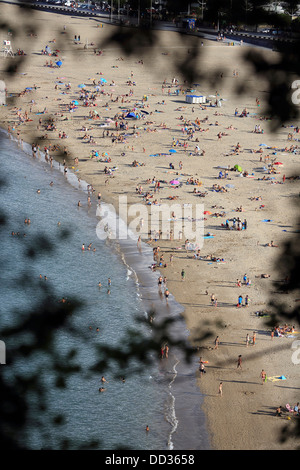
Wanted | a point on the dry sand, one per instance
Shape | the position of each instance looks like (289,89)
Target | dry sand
(244,417)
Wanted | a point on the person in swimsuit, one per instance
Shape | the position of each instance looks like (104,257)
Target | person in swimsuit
(263,376)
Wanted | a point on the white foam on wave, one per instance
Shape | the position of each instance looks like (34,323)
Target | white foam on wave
(171,413)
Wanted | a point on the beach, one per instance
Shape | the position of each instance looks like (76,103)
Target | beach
(205,140)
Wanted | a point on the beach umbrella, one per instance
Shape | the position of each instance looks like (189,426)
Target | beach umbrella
(278,163)
(102,80)
(174,182)
(59,63)
(207,212)
(75,102)
(172,151)
(82,85)
(238,168)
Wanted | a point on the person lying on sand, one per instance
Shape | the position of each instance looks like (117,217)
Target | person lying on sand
(272,244)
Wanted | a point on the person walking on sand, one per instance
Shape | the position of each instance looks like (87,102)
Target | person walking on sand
(239,362)
(217,342)
(220,389)
(247,340)
(263,376)
(254,338)
(183,275)
(202,369)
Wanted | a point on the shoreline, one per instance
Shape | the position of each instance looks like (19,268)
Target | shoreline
(145,283)
(243,391)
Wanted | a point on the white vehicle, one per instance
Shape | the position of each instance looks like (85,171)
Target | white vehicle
(68,4)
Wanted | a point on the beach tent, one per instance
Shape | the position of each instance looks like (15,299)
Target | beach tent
(195,99)
(131,115)
(238,168)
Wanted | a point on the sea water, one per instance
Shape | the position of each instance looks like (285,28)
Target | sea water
(162,396)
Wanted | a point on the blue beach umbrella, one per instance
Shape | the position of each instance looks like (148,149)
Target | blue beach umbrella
(172,151)
(81,86)
(59,63)
(75,102)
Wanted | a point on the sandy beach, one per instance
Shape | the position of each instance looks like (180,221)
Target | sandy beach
(205,140)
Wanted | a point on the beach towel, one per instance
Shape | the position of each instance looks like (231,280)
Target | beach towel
(276,378)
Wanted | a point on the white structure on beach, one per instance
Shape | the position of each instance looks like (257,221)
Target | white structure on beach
(195,99)
(7,50)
